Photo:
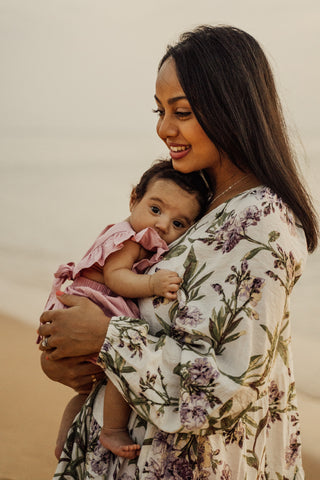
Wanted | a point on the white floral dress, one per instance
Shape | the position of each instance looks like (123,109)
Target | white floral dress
(209,376)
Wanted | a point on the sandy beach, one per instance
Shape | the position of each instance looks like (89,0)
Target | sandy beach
(31,406)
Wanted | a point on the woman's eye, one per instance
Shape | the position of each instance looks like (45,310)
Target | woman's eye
(159,112)
(183,114)
(178,224)
(179,114)
(155,209)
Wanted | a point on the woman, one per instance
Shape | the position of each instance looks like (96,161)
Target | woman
(209,376)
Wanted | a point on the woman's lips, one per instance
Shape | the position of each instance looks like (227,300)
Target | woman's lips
(179,151)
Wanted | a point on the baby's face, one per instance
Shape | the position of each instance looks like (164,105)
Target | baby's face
(167,208)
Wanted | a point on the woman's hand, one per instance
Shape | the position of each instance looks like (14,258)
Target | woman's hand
(76,372)
(75,331)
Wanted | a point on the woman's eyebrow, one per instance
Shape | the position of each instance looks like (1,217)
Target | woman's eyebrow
(172,100)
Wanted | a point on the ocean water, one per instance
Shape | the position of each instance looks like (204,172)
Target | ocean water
(57,194)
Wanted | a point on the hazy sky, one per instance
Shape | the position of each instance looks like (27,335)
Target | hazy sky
(89,65)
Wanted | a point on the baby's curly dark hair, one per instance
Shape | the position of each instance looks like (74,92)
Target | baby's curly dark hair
(197,182)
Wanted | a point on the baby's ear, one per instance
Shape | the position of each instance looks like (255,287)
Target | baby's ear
(133,198)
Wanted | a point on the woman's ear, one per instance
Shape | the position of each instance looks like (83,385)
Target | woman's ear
(133,199)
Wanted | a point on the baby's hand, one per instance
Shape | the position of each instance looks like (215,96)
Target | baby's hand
(165,283)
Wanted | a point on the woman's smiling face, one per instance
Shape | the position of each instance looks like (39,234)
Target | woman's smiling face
(190,147)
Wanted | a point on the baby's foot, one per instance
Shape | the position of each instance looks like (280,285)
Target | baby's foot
(118,441)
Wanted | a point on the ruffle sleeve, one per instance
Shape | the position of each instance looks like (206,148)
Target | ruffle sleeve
(112,239)
(151,241)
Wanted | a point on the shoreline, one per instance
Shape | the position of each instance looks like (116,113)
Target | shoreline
(32,405)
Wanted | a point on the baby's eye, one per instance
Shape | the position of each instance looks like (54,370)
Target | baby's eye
(178,224)
(155,209)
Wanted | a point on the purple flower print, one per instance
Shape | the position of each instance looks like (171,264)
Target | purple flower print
(292,451)
(229,236)
(125,476)
(262,193)
(100,459)
(94,430)
(136,341)
(202,373)
(235,228)
(161,443)
(106,346)
(251,216)
(271,202)
(244,266)
(217,288)
(274,393)
(236,435)
(250,289)
(193,411)
(154,469)
(190,316)
(288,218)
(226,473)
(181,469)
(168,467)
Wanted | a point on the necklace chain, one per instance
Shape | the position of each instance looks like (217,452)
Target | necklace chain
(230,187)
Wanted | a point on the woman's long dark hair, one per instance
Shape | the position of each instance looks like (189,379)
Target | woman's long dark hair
(230,86)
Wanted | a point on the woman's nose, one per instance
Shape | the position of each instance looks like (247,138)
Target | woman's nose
(166,127)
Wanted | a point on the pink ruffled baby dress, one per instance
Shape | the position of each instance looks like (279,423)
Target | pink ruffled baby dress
(110,240)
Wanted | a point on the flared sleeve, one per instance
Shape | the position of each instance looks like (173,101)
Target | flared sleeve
(196,365)
(112,239)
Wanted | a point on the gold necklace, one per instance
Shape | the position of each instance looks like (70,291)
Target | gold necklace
(230,187)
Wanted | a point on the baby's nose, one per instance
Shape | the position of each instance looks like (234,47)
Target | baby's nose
(162,224)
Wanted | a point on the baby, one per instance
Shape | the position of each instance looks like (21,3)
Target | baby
(163,206)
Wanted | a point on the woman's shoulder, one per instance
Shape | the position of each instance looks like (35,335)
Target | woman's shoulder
(261,206)
(252,207)
(256,215)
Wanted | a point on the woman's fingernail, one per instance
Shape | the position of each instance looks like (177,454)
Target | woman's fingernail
(59,293)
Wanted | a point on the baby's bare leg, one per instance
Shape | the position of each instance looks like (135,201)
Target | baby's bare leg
(69,414)
(114,433)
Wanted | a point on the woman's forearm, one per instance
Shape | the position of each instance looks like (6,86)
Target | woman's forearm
(74,372)
(74,331)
